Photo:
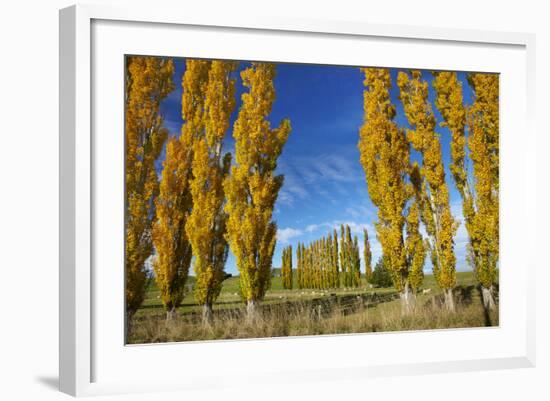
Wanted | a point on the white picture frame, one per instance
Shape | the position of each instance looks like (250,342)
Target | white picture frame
(80,342)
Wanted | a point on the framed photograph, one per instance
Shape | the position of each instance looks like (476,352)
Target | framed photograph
(321,195)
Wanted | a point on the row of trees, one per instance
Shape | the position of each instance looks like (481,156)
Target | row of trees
(203,205)
(407,193)
(317,263)
(328,262)
(207,203)
(480,199)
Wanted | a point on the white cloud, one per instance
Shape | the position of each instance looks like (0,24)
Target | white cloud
(293,186)
(328,167)
(313,227)
(325,175)
(361,212)
(355,228)
(284,235)
(285,198)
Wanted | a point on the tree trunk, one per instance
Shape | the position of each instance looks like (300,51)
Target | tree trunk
(449,300)
(251,311)
(207,315)
(171,314)
(488,298)
(407,300)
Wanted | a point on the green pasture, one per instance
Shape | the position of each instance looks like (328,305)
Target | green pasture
(230,294)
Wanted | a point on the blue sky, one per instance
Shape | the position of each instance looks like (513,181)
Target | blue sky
(324,182)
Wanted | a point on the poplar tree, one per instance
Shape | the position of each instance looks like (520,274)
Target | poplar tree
(483,142)
(310,267)
(286,269)
(205,226)
(305,283)
(367,255)
(479,203)
(438,220)
(355,262)
(335,260)
(252,187)
(344,258)
(321,262)
(327,262)
(349,258)
(316,266)
(175,202)
(148,82)
(307,267)
(384,155)
(173,250)
(302,262)
(299,266)
(332,260)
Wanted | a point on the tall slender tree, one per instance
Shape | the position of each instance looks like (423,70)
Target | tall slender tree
(384,155)
(308,282)
(173,250)
(286,269)
(350,259)
(148,82)
(299,266)
(483,142)
(175,201)
(367,255)
(344,257)
(479,200)
(252,186)
(206,224)
(335,261)
(355,262)
(438,220)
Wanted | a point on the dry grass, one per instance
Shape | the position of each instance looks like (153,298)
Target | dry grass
(303,318)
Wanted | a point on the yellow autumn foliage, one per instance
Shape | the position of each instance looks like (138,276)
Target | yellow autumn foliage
(175,202)
(206,224)
(415,249)
(479,203)
(385,157)
(148,82)
(286,269)
(434,195)
(173,250)
(252,187)
(367,254)
(483,142)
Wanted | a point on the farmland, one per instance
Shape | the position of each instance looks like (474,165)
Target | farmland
(308,312)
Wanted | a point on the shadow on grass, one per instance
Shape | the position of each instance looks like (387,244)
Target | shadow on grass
(462,294)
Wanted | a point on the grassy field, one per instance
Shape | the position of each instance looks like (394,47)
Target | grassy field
(307,312)
(230,298)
